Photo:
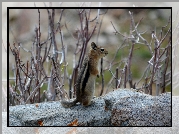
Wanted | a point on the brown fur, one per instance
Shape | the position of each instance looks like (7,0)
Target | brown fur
(85,85)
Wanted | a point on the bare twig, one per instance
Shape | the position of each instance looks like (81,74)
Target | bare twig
(102,75)
(117,70)
(129,66)
(34,91)
(116,31)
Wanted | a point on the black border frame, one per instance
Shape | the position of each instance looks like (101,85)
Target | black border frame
(8,8)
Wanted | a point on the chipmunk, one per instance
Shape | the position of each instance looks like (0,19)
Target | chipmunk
(85,84)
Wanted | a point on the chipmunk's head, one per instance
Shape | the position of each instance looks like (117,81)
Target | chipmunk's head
(97,51)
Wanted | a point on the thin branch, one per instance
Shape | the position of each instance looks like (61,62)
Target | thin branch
(116,31)
(34,91)
(102,75)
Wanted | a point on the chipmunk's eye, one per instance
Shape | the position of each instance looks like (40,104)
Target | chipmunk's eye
(102,49)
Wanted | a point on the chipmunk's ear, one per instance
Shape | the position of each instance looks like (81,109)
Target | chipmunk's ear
(93,46)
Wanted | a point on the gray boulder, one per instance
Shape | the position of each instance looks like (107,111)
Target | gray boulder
(122,107)
(142,110)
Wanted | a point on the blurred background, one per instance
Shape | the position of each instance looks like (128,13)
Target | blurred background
(22,23)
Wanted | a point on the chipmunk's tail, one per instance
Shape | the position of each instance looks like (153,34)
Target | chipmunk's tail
(68,104)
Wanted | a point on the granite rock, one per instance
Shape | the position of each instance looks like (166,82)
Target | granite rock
(142,110)
(122,107)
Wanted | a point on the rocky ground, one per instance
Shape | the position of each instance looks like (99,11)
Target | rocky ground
(96,130)
(122,107)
